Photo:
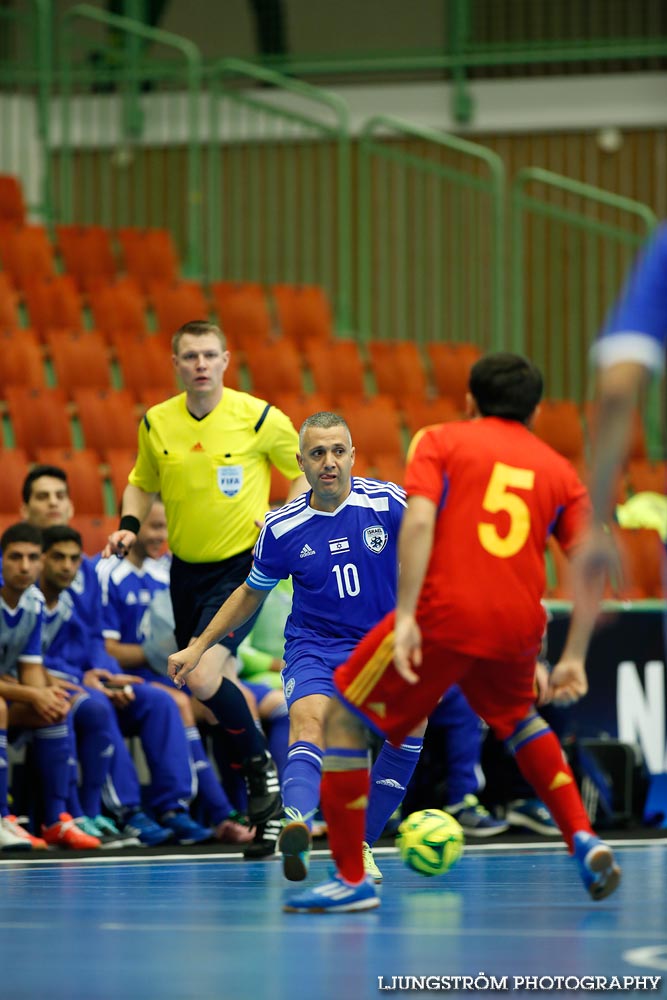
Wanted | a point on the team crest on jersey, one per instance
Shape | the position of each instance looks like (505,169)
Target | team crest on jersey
(375,537)
(289,687)
(230,479)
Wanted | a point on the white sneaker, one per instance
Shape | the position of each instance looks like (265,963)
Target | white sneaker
(9,841)
(370,864)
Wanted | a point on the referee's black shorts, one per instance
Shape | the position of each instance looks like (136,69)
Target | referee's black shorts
(198,590)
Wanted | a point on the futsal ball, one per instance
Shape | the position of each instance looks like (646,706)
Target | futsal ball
(430,841)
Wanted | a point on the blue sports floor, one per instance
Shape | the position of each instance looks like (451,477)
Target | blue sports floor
(212,928)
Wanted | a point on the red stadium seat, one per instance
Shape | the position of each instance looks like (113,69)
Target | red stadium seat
(107,417)
(337,368)
(39,417)
(83,477)
(450,368)
(12,204)
(14,465)
(398,370)
(94,530)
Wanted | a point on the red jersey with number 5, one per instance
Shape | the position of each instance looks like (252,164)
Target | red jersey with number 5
(500,492)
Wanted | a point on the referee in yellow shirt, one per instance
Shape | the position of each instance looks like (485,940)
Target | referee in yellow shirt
(208,453)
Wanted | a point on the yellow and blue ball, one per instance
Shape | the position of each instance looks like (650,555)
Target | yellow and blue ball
(430,841)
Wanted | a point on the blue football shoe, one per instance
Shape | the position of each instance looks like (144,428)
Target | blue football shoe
(335,896)
(184,828)
(595,860)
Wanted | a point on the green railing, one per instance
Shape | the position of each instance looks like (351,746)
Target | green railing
(571,246)
(278,182)
(431,236)
(109,170)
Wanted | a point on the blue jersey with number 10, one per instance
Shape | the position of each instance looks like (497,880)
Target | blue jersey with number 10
(344,565)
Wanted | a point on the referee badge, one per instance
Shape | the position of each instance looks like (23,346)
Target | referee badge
(375,537)
(230,479)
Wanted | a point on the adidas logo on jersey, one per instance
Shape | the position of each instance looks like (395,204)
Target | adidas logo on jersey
(306,551)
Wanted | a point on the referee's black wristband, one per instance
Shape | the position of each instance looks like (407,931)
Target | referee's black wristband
(129,522)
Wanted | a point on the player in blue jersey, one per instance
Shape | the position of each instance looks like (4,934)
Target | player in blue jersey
(129,587)
(630,349)
(116,705)
(28,701)
(338,543)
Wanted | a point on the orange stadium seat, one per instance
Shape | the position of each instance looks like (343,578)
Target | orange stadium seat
(26,254)
(119,307)
(12,204)
(145,364)
(177,304)
(275,367)
(79,360)
(39,417)
(87,253)
(559,424)
(280,486)
(107,418)
(22,360)
(54,303)
(643,563)
(14,465)
(337,368)
(299,405)
(83,476)
(390,468)
(243,314)
(304,313)
(9,310)
(94,530)
(647,476)
(120,462)
(398,369)
(149,255)
(375,426)
(450,368)
(419,413)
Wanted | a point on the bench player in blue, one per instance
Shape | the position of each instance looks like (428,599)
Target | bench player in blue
(338,543)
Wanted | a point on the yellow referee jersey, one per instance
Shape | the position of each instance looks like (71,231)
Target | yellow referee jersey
(214,474)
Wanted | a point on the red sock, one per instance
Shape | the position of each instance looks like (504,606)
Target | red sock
(542,763)
(344,795)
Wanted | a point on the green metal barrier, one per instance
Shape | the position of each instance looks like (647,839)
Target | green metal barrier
(278,182)
(571,246)
(431,236)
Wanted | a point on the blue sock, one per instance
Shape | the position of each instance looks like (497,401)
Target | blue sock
(53,748)
(95,750)
(215,803)
(390,777)
(301,779)
(278,736)
(4,774)
(231,710)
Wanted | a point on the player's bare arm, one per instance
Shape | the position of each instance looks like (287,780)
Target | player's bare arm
(236,610)
(414,551)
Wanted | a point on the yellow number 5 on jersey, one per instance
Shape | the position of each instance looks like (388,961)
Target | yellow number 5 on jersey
(497,498)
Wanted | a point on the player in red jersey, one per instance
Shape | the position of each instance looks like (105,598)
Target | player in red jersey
(483,497)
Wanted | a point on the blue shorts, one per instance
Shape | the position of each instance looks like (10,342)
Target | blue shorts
(260,691)
(309,667)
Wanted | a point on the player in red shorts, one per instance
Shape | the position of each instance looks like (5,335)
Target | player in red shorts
(483,497)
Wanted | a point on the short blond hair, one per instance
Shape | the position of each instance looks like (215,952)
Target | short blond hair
(197,328)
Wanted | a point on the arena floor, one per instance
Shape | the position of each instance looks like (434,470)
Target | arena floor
(205,925)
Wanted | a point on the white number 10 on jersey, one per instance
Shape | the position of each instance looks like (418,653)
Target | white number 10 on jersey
(347,579)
